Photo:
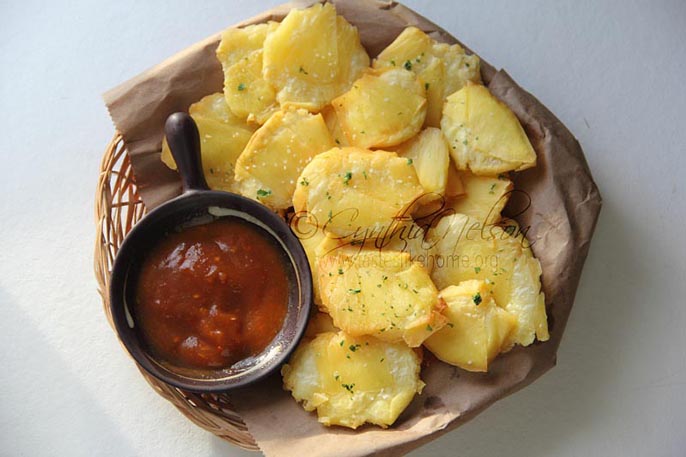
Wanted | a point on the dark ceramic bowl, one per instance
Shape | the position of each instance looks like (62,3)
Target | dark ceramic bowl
(197,205)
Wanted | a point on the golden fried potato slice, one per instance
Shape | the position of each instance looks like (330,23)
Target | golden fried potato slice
(428,153)
(222,139)
(353,380)
(247,93)
(485,197)
(383,108)
(277,153)
(442,68)
(483,134)
(379,293)
(352,190)
(313,57)
(477,329)
(465,248)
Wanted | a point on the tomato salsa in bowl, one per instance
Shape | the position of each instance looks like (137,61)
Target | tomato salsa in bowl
(210,291)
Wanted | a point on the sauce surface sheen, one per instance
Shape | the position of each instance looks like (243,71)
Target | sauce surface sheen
(211,295)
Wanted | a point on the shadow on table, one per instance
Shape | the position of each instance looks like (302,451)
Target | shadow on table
(221,448)
(32,370)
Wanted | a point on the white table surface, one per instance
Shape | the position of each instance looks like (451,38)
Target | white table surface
(612,71)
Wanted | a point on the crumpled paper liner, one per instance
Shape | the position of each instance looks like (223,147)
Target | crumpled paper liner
(565,203)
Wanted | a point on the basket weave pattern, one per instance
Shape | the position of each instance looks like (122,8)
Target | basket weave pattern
(117,209)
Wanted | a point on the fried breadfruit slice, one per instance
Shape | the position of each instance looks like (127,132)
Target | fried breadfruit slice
(460,69)
(379,293)
(484,134)
(248,95)
(240,52)
(331,119)
(310,237)
(464,249)
(383,108)
(442,68)
(406,236)
(238,43)
(454,186)
(222,139)
(319,323)
(428,153)
(350,380)
(477,329)
(277,153)
(352,190)
(312,57)
(485,197)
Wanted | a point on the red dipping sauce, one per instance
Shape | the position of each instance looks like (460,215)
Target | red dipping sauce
(212,294)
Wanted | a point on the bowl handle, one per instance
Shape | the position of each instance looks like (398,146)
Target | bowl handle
(184,142)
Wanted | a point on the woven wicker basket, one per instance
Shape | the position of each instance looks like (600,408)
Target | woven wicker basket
(117,209)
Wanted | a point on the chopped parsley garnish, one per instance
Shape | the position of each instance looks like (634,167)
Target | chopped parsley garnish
(241,87)
(426,86)
(409,161)
(340,271)
(342,343)
(347,177)
(429,328)
(354,347)
(348,387)
(302,70)
(264,193)
(354,291)
(408,65)
(477,270)
(477,298)
(492,189)
(304,182)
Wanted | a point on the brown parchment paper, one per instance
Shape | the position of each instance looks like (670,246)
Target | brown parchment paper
(565,203)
